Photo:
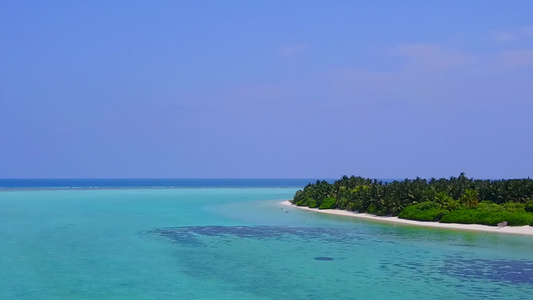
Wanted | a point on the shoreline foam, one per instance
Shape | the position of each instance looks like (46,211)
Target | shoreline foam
(521,230)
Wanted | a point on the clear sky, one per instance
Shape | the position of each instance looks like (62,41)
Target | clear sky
(386,89)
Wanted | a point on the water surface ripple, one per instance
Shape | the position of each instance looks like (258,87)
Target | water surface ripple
(238,243)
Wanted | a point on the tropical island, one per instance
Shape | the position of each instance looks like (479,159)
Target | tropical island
(455,200)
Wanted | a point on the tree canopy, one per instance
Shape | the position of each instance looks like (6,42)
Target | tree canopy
(441,196)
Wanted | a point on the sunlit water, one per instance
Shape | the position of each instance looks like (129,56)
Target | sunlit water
(238,243)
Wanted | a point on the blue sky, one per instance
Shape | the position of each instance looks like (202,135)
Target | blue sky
(386,89)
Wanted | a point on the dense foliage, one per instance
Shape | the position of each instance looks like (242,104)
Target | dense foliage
(491,214)
(425,211)
(455,200)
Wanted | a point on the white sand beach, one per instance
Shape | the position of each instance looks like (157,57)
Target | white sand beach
(522,230)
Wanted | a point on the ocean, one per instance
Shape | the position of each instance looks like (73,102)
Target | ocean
(231,239)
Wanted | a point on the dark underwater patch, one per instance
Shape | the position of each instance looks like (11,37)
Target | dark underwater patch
(509,271)
(192,235)
(323,258)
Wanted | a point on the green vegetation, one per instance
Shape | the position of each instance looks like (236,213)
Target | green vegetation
(328,203)
(426,211)
(454,200)
(491,214)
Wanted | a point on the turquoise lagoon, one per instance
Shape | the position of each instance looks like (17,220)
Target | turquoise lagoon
(237,243)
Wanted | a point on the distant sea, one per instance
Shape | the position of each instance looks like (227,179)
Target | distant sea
(231,239)
(154,183)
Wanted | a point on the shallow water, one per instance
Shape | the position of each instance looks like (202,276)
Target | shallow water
(238,243)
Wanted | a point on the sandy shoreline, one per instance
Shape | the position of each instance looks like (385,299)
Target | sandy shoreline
(522,230)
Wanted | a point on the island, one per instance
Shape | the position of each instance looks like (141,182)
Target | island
(460,200)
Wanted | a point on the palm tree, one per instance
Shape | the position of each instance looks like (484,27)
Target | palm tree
(470,198)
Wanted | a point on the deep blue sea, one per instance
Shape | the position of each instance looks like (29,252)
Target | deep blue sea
(155,183)
(231,239)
